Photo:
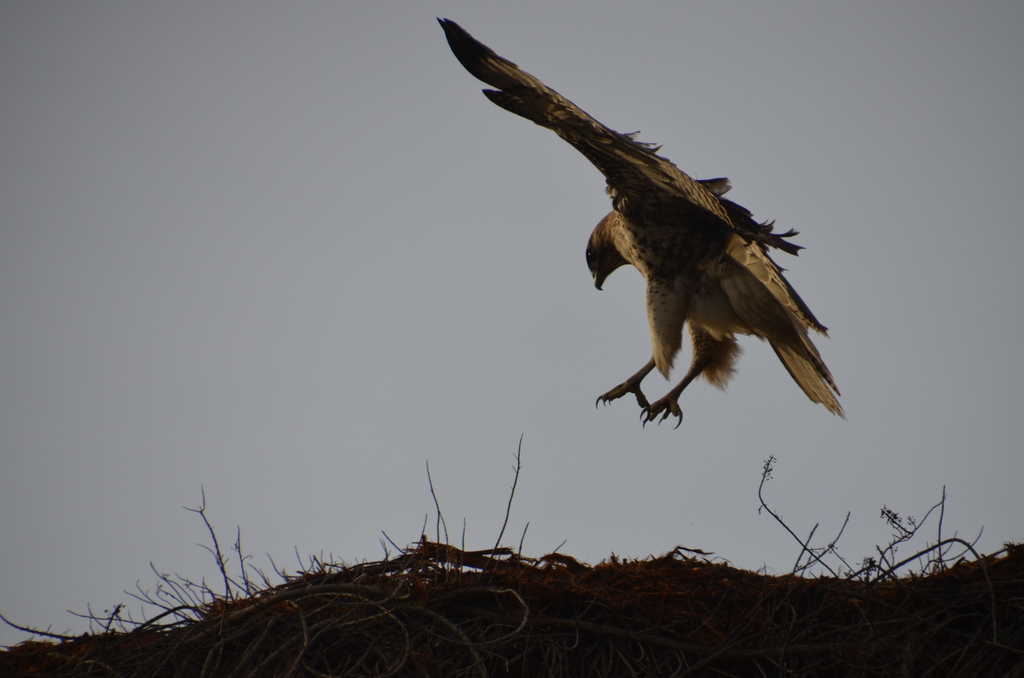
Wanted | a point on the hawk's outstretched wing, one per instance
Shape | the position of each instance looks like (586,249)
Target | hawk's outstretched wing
(637,176)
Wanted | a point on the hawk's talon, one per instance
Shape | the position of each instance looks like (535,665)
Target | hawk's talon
(628,386)
(669,405)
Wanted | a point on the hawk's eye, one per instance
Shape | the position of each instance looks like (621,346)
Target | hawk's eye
(591,258)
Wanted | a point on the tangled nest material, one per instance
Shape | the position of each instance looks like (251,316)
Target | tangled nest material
(436,610)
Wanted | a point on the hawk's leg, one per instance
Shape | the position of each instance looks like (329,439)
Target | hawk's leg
(712,357)
(631,385)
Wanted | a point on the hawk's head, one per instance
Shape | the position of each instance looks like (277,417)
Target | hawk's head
(603,256)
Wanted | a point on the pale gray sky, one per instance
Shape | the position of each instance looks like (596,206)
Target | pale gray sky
(289,252)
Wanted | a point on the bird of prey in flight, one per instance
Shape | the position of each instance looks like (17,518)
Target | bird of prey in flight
(704,257)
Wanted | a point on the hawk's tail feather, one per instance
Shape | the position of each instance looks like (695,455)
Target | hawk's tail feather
(810,373)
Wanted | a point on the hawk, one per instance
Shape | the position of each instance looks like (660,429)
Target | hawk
(704,257)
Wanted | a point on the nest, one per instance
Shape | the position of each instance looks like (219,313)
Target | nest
(435,610)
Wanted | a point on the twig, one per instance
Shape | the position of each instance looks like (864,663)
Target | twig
(217,553)
(515,481)
(437,505)
(247,586)
(766,474)
(37,632)
(522,539)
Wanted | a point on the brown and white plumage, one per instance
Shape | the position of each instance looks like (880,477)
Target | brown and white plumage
(704,258)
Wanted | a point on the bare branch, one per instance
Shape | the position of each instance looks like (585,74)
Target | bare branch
(217,553)
(515,481)
(437,505)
